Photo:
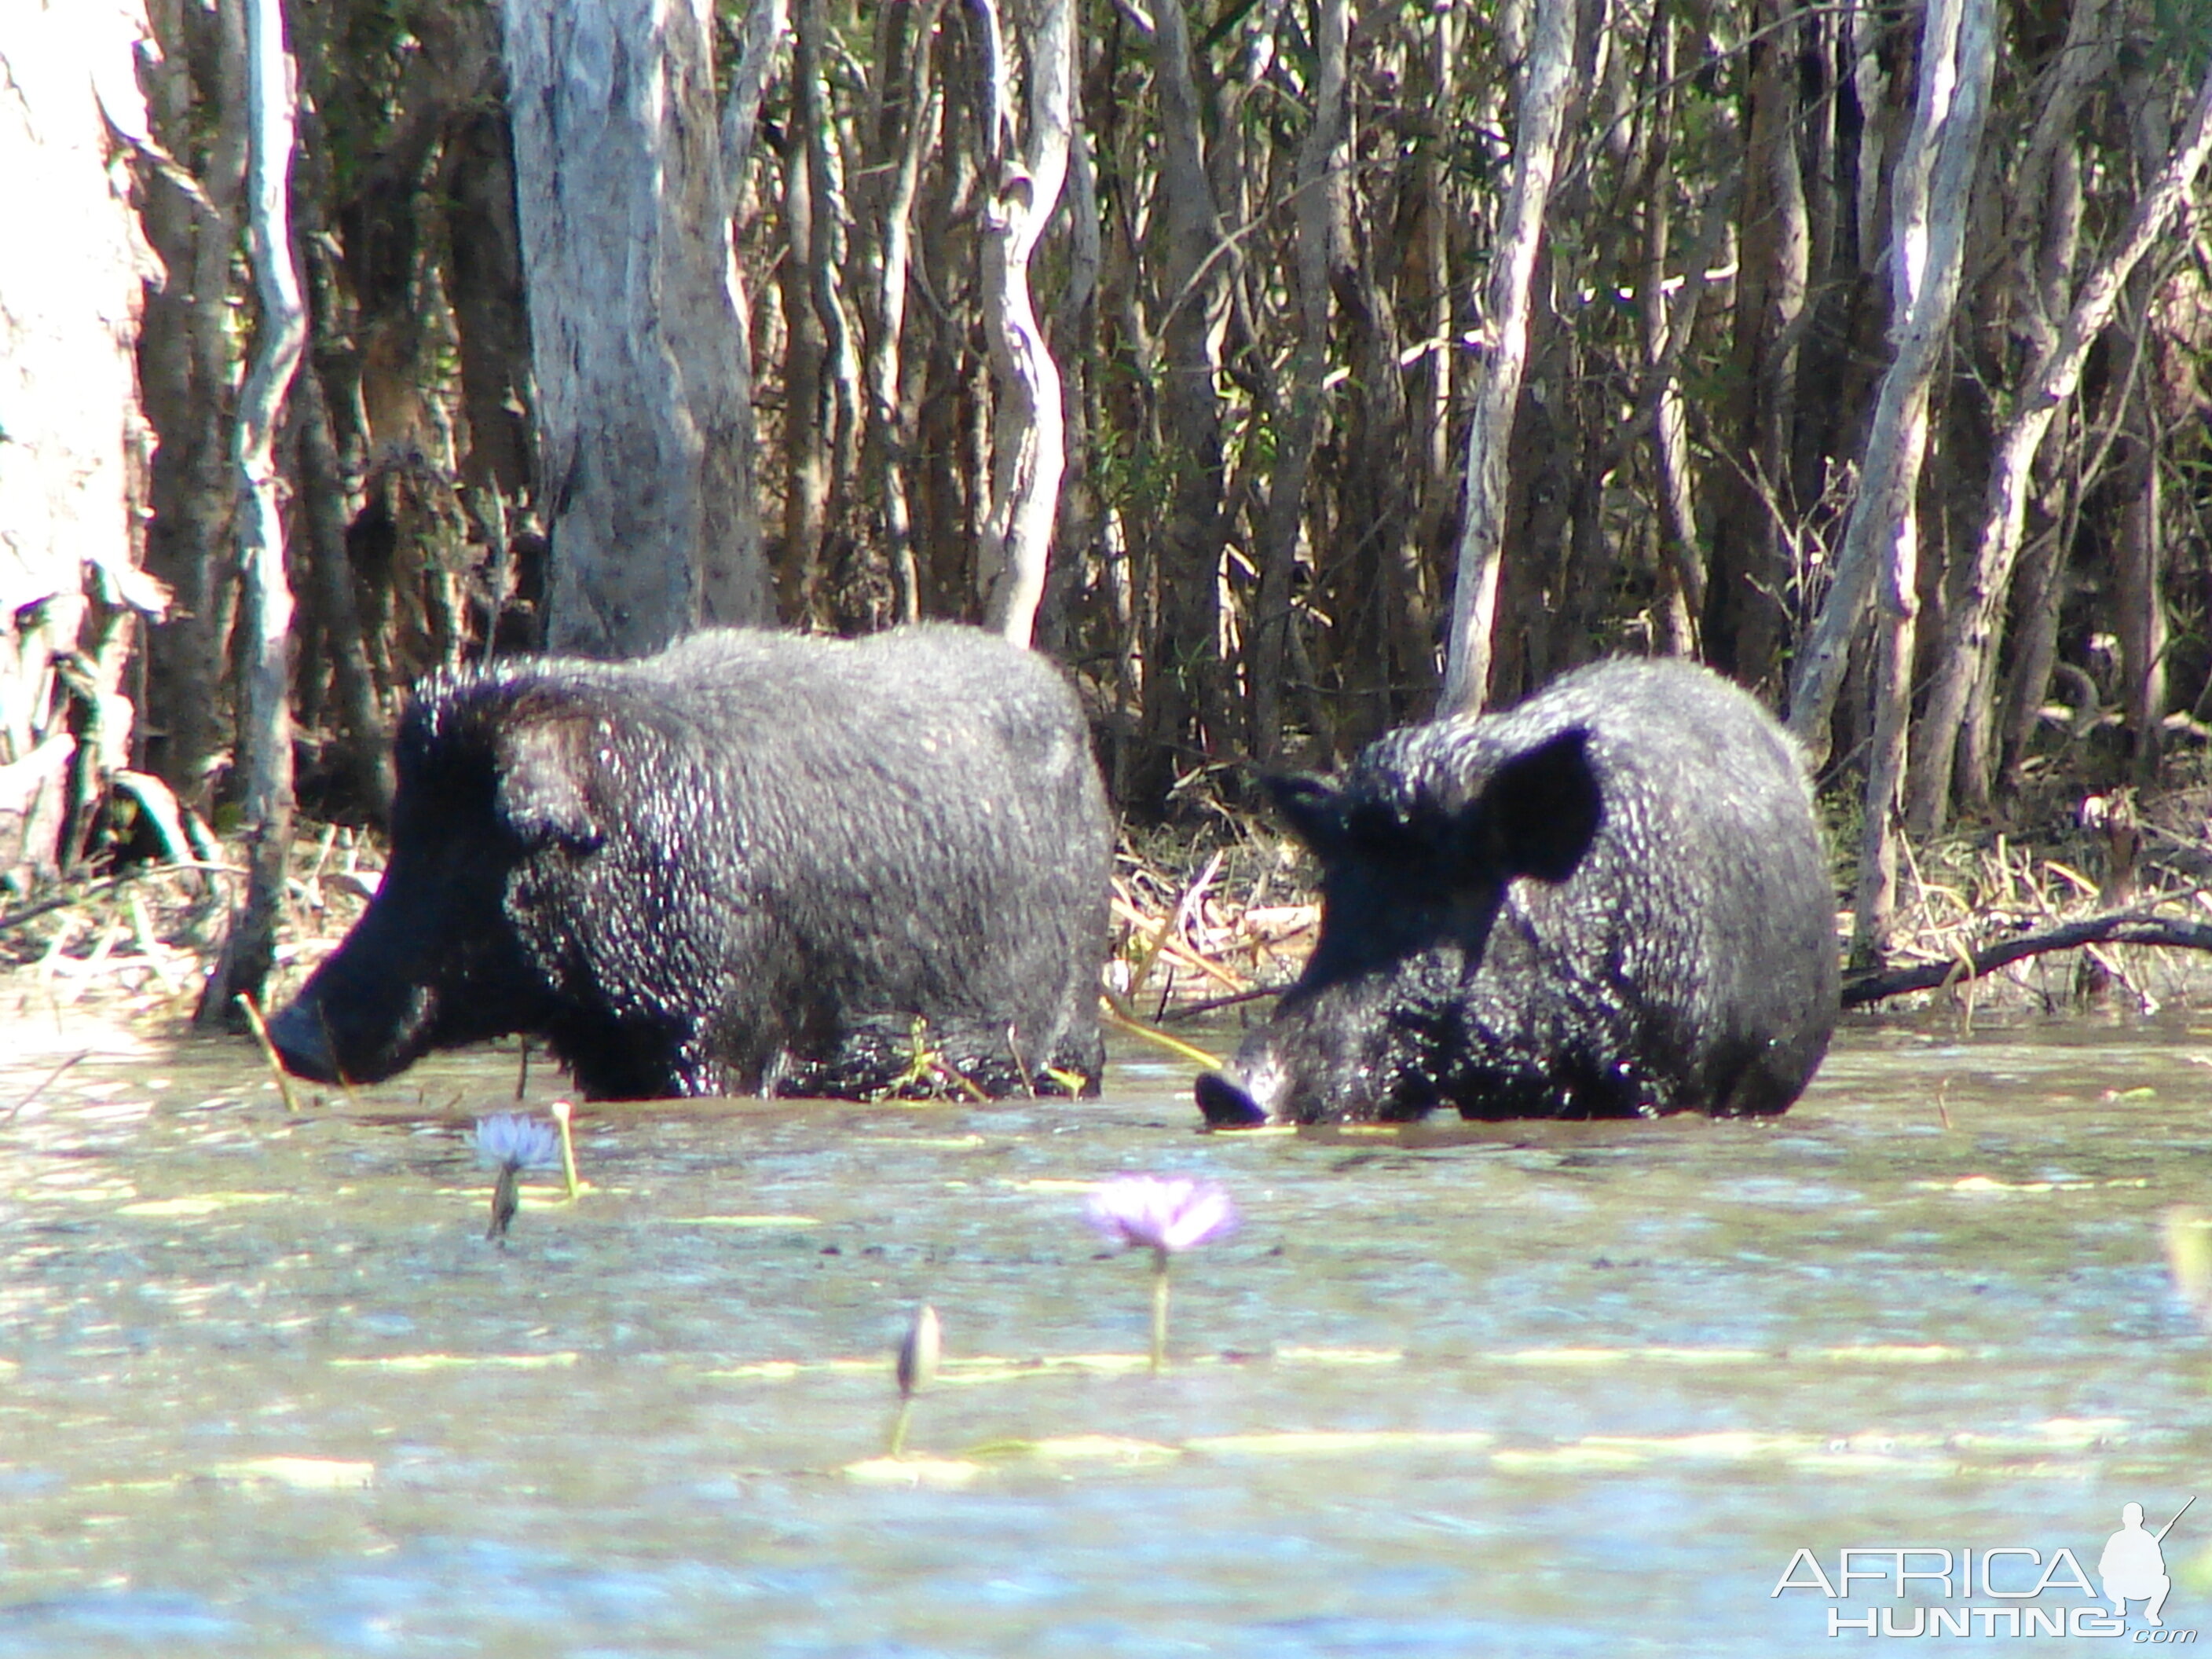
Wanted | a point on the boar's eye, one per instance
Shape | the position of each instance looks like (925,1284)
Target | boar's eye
(1314,809)
(1540,809)
(1351,826)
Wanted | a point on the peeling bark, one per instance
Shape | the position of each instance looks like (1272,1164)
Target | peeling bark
(642,413)
(71,459)
(1028,438)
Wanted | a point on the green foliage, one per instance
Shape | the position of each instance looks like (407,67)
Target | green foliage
(2181,35)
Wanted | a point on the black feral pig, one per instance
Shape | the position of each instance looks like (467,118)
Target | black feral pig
(1610,901)
(757,863)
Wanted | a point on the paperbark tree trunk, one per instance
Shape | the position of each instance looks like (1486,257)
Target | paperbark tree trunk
(644,422)
(71,464)
(2053,373)
(1545,88)
(264,649)
(1029,435)
(1928,232)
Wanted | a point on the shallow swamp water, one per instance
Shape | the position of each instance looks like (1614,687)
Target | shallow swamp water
(265,1387)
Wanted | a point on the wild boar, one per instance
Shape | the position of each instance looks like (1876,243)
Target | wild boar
(1612,901)
(756,863)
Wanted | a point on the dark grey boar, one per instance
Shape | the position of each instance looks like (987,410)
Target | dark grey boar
(757,863)
(1610,901)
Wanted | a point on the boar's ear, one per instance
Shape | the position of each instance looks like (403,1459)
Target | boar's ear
(1313,809)
(540,787)
(1539,811)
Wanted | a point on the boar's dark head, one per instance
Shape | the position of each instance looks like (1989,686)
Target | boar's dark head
(1413,872)
(487,785)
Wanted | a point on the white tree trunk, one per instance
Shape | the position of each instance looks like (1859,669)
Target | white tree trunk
(71,269)
(1544,90)
(643,390)
(265,618)
(1928,234)
(2054,371)
(1927,230)
(1029,436)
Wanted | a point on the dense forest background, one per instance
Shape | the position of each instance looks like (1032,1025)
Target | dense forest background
(1858,349)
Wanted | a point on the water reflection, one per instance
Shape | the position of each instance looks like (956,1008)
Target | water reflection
(265,1388)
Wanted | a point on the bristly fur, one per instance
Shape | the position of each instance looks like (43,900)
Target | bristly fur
(737,866)
(1612,901)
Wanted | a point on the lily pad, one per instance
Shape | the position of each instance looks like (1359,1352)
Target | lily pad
(944,1472)
(456,1362)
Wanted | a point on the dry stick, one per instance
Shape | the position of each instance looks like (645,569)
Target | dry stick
(947,1073)
(560,1112)
(1214,1004)
(44,1082)
(1116,1014)
(245,999)
(2120,927)
(1168,932)
(62,901)
(1165,944)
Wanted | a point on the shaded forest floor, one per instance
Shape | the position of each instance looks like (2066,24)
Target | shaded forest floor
(1220,914)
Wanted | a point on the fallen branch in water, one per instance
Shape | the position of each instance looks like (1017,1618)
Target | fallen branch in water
(2116,927)
(1116,1012)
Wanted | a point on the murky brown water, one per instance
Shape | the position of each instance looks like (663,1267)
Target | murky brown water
(265,1389)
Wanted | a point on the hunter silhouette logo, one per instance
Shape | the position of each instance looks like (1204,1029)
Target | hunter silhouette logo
(2134,1565)
(2000,1590)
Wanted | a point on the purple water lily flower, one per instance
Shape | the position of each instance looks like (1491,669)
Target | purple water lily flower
(514,1143)
(917,1365)
(517,1141)
(1167,1215)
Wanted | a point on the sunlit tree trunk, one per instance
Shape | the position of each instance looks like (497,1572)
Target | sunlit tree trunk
(1927,231)
(70,271)
(1545,88)
(1029,437)
(1681,598)
(817,136)
(265,647)
(738,585)
(2051,375)
(905,125)
(642,397)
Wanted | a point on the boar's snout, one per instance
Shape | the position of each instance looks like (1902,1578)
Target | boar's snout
(302,1041)
(1227,1103)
